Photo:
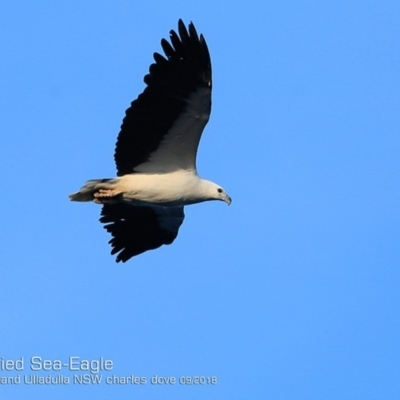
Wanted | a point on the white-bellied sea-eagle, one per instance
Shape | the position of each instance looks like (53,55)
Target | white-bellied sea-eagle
(156,149)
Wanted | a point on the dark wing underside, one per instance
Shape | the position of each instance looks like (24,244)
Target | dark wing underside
(136,229)
(177,84)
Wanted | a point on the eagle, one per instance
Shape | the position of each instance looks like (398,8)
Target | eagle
(155,152)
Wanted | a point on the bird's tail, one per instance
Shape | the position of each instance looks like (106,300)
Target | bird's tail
(87,191)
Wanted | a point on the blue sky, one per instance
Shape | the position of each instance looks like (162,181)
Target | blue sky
(292,292)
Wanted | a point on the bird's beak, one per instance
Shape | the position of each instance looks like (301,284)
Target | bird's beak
(228,200)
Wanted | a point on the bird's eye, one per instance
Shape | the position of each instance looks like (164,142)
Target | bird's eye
(220,190)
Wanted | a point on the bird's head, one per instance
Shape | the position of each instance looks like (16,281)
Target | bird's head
(216,192)
(223,196)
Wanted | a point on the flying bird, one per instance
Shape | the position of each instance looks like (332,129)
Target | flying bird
(155,153)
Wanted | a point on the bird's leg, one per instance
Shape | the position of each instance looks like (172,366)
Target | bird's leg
(105,195)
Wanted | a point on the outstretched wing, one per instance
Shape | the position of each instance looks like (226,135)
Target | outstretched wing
(162,127)
(136,229)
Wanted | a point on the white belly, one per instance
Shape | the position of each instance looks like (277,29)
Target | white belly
(172,189)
